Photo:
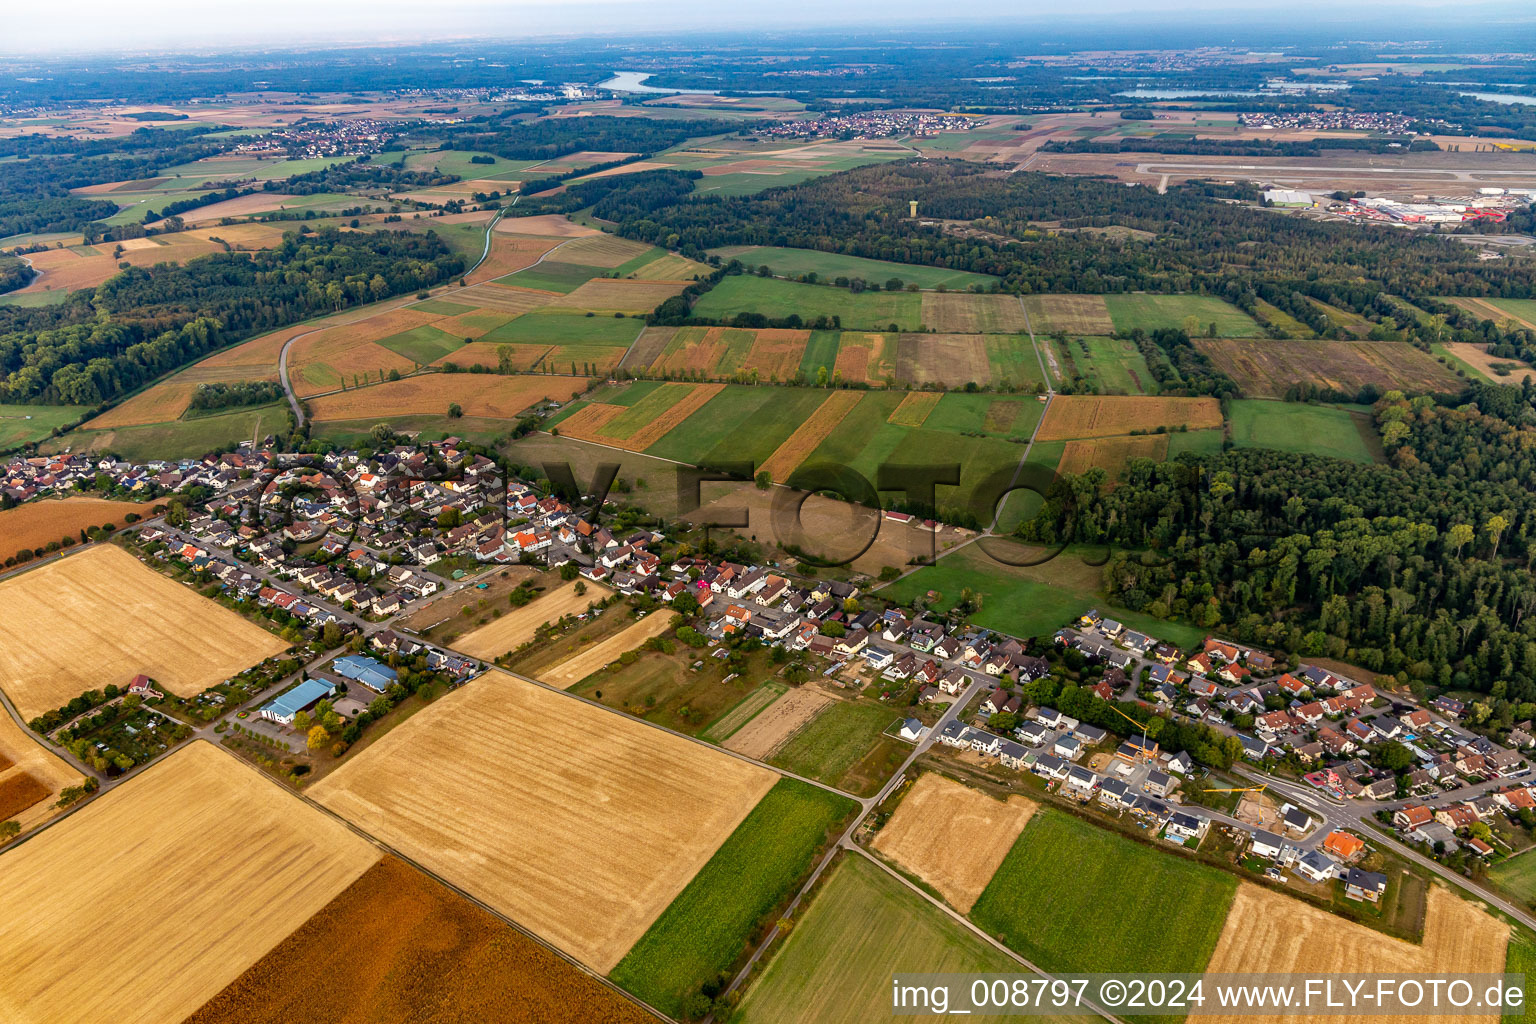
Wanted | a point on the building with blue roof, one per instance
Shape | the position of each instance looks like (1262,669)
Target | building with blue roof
(373,674)
(301,698)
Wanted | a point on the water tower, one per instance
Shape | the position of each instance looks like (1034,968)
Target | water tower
(912,205)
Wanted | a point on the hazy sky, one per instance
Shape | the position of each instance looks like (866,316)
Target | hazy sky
(31,26)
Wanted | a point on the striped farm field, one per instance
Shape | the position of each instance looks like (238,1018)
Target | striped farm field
(1081,416)
(743,711)
(606,251)
(666,407)
(350,353)
(776,354)
(230,862)
(488,355)
(606,295)
(1069,314)
(781,464)
(670,267)
(649,346)
(1522,312)
(580,824)
(478,394)
(706,350)
(964,313)
(954,360)
(505,299)
(914,408)
(1112,454)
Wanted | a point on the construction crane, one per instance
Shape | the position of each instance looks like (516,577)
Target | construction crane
(1245,789)
(1133,721)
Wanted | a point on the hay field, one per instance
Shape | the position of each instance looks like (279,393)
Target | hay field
(21,754)
(397,945)
(771,728)
(518,626)
(914,408)
(1111,454)
(809,435)
(953,837)
(578,823)
(1489,311)
(1477,357)
(509,254)
(1268,932)
(545,224)
(950,360)
(504,298)
(1070,314)
(670,267)
(429,394)
(1075,416)
(606,651)
(159,404)
(200,861)
(963,313)
(35,523)
(100,617)
(606,295)
(606,251)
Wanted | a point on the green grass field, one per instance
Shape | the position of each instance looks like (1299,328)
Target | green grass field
(23,424)
(707,927)
(1113,365)
(1026,600)
(1131,310)
(423,344)
(185,439)
(774,298)
(836,740)
(1299,427)
(820,352)
(1516,876)
(1073,897)
(1198,442)
(624,425)
(1520,958)
(827,265)
(442,307)
(552,276)
(539,328)
(862,927)
(460,162)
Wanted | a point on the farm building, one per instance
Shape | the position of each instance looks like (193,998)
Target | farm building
(372,674)
(302,697)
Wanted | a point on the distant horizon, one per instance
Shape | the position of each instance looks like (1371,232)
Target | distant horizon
(180,27)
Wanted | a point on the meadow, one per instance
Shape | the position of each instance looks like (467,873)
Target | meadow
(705,929)
(869,310)
(23,424)
(184,438)
(1113,366)
(1303,428)
(836,740)
(1147,311)
(828,266)
(862,927)
(1048,901)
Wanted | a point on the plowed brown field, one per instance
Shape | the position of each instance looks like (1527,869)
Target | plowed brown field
(1111,454)
(398,946)
(1069,314)
(964,313)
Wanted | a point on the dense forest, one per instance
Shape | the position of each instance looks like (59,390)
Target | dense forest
(146,321)
(547,140)
(1422,568)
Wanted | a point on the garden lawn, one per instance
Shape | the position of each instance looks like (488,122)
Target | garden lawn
(870,311)
(1302,428)
(1074,897)
(707,927)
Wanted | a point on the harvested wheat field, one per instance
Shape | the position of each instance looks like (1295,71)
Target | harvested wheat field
(865,358)
(21,754)
(1111,454)
(546,224)
(587,423)
(36,523)
(963,313)
(240,206)
(671,267)
(341,355)
(200,859)
(576,822)
(1268,932)
(809,435)
(949,360)
(776,354)
(502,298)
(607,295)
(606,251)
(398,946)
(953,837)
(427,394)
(67,270)
(100,617)
(1477,357)
(914,408)
(606,651)
(508,255)
(1073,416)
(772,727)
(1069,314)
(159,404)
(518,626)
